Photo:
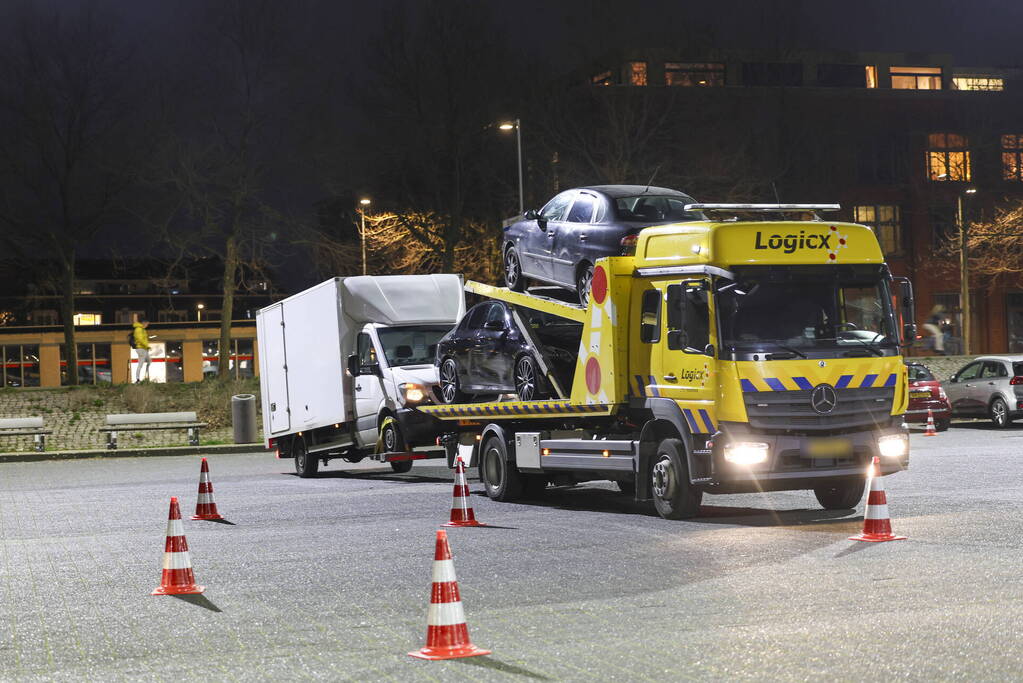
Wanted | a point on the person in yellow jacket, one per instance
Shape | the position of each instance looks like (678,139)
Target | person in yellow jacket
(141,346)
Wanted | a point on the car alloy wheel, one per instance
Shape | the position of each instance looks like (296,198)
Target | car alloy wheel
(582,285)
(999,413)
(512,270)
(525,379)
(449,380)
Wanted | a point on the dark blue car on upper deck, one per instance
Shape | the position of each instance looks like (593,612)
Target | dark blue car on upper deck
(559,243)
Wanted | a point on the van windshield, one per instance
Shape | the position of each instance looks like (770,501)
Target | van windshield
(803,309)
(412,345)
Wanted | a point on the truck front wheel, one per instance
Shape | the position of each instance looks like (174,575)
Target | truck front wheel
(305,465)
(500,478)
(674,496)
(843,496)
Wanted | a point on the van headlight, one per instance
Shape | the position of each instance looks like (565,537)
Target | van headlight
(413,393)
(893,445)
(745,452)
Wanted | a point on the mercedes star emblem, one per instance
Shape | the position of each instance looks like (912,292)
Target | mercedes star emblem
(823,399)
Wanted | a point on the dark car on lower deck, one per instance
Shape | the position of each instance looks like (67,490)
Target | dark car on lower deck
(497,349)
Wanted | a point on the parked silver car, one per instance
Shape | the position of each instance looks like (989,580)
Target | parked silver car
(990,386)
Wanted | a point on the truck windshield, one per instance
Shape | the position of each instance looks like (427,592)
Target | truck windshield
(829,310)
(413,345)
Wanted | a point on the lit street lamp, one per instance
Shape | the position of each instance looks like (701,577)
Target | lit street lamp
(964,273)
(364,202)
(198,312)
(517,127)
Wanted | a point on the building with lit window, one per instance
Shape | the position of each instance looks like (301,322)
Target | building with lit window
(184,314)
(897,139)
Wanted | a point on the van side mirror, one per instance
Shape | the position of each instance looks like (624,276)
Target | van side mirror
(356,370)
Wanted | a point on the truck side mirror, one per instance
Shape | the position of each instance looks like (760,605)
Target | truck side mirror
(907,310)
(353,365)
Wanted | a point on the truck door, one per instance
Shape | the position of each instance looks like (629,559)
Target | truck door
(369,391)
(275,366)
(680,365)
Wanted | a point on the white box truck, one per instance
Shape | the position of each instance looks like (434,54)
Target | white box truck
(342,363)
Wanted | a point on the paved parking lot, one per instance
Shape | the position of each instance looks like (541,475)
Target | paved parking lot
(329,578)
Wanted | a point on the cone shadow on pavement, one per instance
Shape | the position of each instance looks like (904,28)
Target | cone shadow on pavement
(198,601)
(497,665)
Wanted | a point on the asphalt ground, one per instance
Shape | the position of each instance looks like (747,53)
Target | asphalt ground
(329,578)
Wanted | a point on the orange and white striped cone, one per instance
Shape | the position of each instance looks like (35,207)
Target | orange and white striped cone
(205,506)
(177,577)
(461,510)
(447,635)
(877,526)
(930,431)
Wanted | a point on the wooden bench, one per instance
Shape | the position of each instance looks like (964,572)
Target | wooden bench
(132,422)
(26,426)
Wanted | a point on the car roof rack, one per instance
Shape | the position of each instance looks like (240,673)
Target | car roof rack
(765,208)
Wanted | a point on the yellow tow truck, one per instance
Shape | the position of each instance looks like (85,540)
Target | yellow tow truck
(722,356)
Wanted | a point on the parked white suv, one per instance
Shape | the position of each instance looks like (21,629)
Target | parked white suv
(988,386)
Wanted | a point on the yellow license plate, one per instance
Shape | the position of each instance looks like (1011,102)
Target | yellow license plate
(919,394)
(829,448)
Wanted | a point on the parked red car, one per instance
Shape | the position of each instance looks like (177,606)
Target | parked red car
(925,393)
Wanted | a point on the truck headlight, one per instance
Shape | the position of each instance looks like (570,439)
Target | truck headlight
(745,452)
(413,393)
(893,445)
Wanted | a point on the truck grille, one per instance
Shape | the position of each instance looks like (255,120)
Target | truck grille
(791,410)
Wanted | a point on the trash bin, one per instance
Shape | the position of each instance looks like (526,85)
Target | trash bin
(243,418)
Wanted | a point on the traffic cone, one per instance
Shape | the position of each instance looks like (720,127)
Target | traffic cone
(931,431)
(447,635)
(205,506)
(461,509)
(877,526)
(177,567)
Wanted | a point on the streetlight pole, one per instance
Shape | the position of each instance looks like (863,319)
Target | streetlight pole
(364,202)
(964,271)
(518,145)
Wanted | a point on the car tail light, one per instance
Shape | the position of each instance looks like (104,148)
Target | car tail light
(628,244)
(1016,380)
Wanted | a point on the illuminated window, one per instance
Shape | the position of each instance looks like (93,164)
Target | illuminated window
(916,77)
(871,76)
(884,219)
(603,78)
(948,157)
(637,73)
(1012,157)
(694,74)
(978,83)
(88,318)
(19,366)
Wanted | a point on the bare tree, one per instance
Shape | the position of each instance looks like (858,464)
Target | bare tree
(439,70)
(409,243)
(994,247)
(66,155)
(217,157)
